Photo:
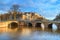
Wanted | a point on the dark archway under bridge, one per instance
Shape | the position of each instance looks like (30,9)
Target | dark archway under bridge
(38,25)
(13,25)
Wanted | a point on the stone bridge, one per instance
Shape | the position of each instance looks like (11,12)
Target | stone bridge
(43,24)
(9,24)
(34,23)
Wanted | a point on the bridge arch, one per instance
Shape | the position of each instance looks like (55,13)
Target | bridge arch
(30,24)
(13,25)
(38,25)
(52,26)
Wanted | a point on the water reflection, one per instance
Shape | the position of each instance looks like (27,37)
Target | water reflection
(26,31)
(29,34)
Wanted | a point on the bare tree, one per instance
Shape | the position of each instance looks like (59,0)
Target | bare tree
(14,9)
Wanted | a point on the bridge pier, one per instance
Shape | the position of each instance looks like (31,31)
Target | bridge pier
(58,26)
(45,26)
(33,25)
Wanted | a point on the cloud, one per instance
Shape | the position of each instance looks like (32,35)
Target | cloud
(53,1)
(2,12)
(47,8)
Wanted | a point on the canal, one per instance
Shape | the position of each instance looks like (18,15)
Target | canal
(27,33)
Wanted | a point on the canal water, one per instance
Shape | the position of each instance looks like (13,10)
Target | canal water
(30,34)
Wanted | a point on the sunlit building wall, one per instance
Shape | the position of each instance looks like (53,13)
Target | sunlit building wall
(21,15)
(24,17)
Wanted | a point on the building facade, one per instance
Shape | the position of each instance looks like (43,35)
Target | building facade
(20,16)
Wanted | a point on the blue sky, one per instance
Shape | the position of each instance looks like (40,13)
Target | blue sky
(47,8)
